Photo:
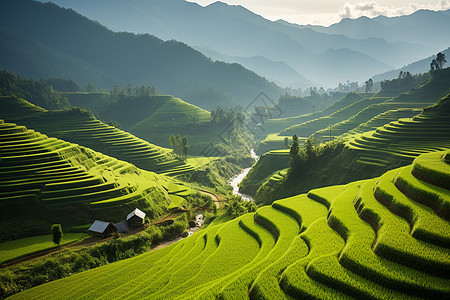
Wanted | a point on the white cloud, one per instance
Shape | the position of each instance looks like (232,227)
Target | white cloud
(373,9)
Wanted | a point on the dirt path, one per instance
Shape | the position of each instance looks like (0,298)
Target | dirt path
(218,199)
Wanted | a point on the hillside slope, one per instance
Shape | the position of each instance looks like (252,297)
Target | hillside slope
(404,139)
(64,39)
(387,237)
(80,127)
(47,180)
(353,115)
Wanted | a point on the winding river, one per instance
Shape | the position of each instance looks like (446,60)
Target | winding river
(235,180)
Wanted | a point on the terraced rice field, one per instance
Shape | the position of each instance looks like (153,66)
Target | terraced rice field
(271,163)
(308,128)
(55,173)
(85,130)
(276,125)
(383,238)
(274,141)
(366,120)
(403,139)
(382,119)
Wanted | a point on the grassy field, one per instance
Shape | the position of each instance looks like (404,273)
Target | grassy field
(15,249)
(378,238)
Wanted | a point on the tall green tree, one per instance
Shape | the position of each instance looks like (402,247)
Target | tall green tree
(185,147)
(286,143)
(293,152)
(440,60)
(57,233)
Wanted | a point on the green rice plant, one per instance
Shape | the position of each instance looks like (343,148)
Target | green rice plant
(422,192)
(82,284)
(22,247)
(237,284)
(153,279)
(302,208)
(228,257)
(295,281)
(326,195)
(284,228)
(359,257)
(327,270)
(424,223)
(288,249)
(394,241)
(432,169)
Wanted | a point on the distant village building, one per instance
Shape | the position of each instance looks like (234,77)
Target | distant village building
(122,227)
(103,229)
(136,218)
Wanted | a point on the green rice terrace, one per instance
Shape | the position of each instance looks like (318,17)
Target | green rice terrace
(363,154)
(382,238)
(51,179)
(405,138)
(354,110)
(82,128)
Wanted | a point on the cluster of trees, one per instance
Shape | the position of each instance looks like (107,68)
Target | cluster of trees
(348,86)
(221,116)
(180,146)
(130,91)
(438,62)
(238,207)
(404,82)
(298,154)
(368,86)
(35,91)
(63,85)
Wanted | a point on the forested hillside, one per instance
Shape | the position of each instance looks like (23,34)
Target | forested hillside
(68,45)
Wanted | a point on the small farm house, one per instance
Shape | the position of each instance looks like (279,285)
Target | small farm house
(136,218)
(103,229)
(122,226)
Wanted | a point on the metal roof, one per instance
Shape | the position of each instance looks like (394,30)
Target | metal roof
(122,226)
(136,212)
(99,226)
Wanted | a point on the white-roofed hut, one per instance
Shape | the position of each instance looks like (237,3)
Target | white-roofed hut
(136,218)
(103,229)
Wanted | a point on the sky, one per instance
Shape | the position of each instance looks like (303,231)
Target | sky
(327,12)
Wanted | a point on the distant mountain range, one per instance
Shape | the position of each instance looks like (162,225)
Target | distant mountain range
(41,40)
(350,50)
(424,27)
(420,66)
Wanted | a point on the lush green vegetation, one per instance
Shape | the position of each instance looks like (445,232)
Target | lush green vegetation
(79,126)
(265,167)
(352,241)
(74,260)
(49,179)
(14,249)
(37,92)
